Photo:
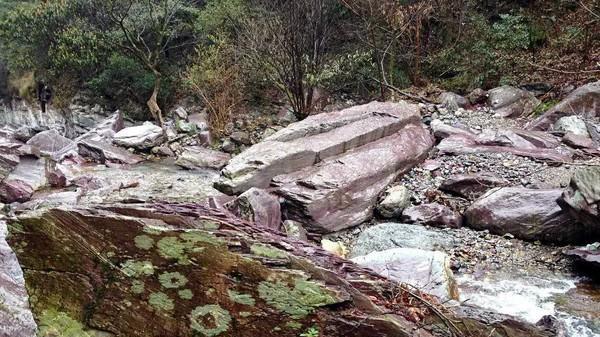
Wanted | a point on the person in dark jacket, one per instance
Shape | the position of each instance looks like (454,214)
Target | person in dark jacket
(44,94)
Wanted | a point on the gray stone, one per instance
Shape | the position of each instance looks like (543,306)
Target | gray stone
(200,120)
(141,137)
(573,124)
(52,144)
(240,137)
(452,101)
(428,271)
(257,206)
(16,319)
(396,199)
(507,101)
(396,235)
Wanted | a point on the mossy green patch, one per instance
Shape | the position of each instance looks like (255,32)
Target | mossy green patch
(137,287)
(209,224)
(240,298)
(245,314)
(144,242)
(55,323)
(221,320)
(133,268)
(294,325)
(185,294)
(267,251)
(179,247)
(160,301)
(172,280)
(299,301)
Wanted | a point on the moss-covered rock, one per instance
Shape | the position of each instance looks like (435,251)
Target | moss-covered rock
(157,270)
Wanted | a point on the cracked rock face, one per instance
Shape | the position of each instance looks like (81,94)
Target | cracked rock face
(188,270)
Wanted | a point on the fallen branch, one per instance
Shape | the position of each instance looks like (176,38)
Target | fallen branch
(402,92)
(564,71)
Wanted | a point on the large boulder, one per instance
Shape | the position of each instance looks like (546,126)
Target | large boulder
(428,271)
(528,214)
(342,192)
(141,137)
(572,124)
(188,270)
(106,129)
(589,254)
(396,235)
(472,186)
(584,101)
(319,165)
(195,157)
(8,162)
(433,214)
(582,198)
(16,319)
(396,199)
(507,101)
(52,143)
(103,152)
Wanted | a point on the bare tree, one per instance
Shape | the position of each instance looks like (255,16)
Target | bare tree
(288,40)
(146,30)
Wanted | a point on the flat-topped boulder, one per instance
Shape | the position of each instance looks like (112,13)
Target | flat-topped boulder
(102,152)
(188,270)
(331,168)
(313,140)
(195,157)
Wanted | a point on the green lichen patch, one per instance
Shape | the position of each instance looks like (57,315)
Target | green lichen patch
(267,251)
(185,294)
(299,301)
(221,320)
(160,301)
(133,268)
(209,224)
(144,242)
(137,287)
(240,298)
(179,247)
(172,280)
(53,323)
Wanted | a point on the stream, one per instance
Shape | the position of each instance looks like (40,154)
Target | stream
(574,302)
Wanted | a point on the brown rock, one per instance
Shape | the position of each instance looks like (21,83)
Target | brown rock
(434,215)
(472,186)
(528,214)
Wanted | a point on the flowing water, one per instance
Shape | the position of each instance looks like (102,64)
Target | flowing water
(575,303)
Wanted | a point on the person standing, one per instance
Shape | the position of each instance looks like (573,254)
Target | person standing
(44,94)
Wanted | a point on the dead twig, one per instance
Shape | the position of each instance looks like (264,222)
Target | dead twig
(564,71)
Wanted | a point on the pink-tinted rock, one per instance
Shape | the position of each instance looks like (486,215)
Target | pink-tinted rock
(588,254)
(341,192)
(313,140)
(460,144)
(584,101)
(194,157)
(538,138)
(578,141)
(8,162)
(472,186)
(434,215)
(528,214)
(16,319)
(15,191)
(103,152)
(257,206)
(52,143)
(442,130)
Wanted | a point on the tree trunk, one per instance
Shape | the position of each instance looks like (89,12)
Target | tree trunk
(153,102)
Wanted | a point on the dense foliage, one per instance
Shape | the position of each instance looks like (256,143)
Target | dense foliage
(140,55)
